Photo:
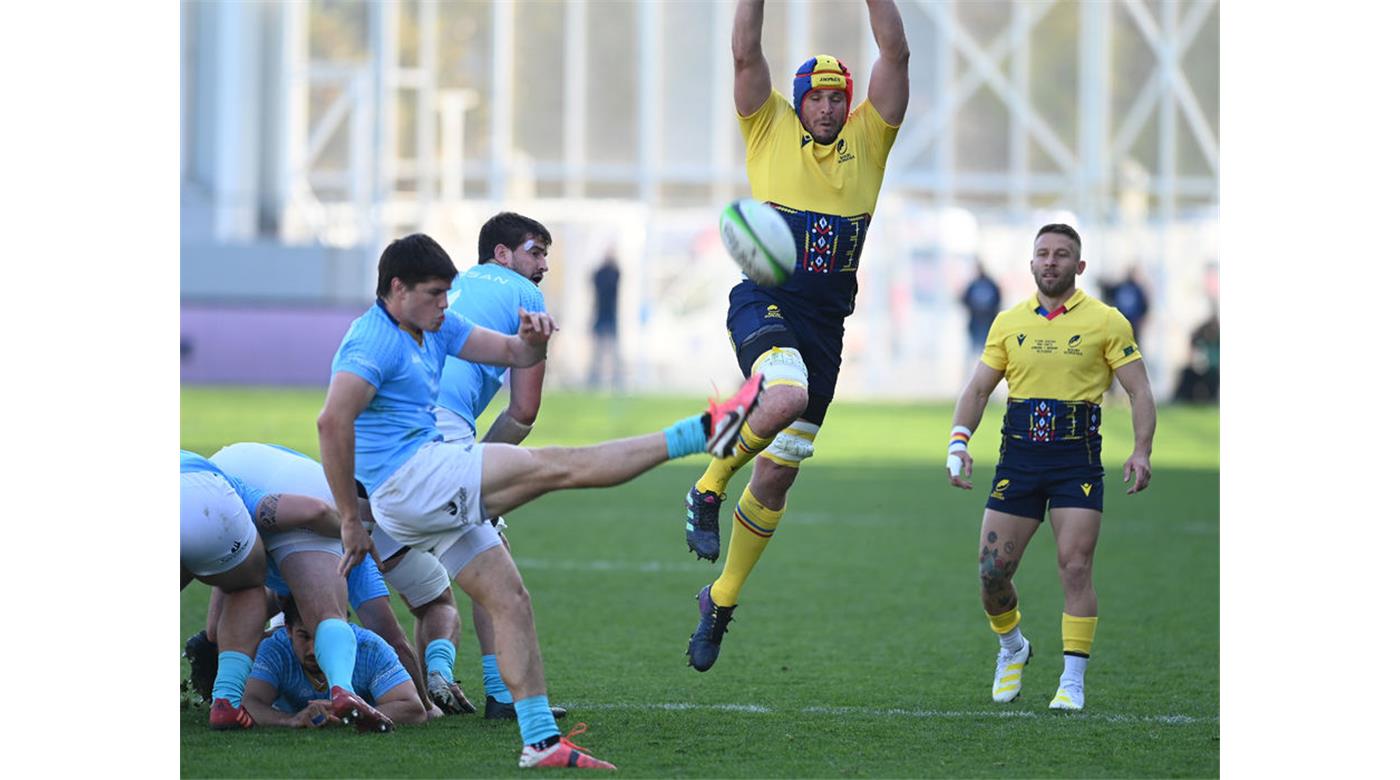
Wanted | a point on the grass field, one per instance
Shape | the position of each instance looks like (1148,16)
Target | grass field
(859,649)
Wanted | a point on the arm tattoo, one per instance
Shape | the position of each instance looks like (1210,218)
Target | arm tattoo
(267,512)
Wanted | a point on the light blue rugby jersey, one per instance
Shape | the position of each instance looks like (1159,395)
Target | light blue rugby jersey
(492,296)
(399,419)
(377,670)
(192,462)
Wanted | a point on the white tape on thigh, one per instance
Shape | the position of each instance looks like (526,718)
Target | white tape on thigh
(794,444)
(782,366)
(419,577)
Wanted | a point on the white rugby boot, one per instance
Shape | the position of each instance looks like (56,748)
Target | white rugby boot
(1006,686)
(1070,696)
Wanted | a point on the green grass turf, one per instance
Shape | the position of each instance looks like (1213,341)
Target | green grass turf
(860,648)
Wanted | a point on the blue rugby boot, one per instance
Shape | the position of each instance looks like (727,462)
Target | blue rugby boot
(702,523)
(714,621)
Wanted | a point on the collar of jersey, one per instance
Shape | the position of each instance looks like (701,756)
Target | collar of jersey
(380,303)
(1074,300)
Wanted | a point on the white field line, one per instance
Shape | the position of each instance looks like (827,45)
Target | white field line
(896,712)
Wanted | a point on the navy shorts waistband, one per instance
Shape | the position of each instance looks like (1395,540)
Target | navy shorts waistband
(1041,420)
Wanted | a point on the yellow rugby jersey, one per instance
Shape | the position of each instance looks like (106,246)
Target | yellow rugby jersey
(827,194)
(1071,357)
(786,166)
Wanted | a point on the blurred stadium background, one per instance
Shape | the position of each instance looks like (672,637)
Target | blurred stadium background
(311,133)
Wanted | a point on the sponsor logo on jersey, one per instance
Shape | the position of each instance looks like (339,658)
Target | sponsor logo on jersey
(806,139)
(1000,490)
(1087,487)
(773,312)
(1020,339)
(841,154)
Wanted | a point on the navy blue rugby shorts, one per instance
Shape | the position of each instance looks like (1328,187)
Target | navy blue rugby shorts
(758,323)
(1031,476)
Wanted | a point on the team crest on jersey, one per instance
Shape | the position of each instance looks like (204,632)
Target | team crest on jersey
(841,154)
(773,312)
(1073,347)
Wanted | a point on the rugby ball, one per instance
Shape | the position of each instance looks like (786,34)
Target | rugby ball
(759,240)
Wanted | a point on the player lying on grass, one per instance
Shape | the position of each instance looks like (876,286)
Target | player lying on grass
(288,687)
(378,427)
(220,546)
(1059,351)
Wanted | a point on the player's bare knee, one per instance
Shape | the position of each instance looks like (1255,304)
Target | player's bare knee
(780,407)
(1076,573)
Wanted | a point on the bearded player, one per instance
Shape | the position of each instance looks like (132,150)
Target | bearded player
(820,162)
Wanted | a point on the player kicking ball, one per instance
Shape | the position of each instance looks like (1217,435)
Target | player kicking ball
(378,427)
(1058,350)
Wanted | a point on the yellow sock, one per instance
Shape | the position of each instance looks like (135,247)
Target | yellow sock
(1006,621)
(754,525)
(1078,633)
(717,476)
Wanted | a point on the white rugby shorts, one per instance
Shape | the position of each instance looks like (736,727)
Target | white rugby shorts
(430,500)
(216,533)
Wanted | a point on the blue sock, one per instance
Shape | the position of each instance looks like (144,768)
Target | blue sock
(536,721)
(233,675)
(686,437)
(492,682)
(335,652)
(441,657)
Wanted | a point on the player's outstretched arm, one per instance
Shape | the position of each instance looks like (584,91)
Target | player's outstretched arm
(526,348)
(968,414)
(1138,468)
(752,84)
(348,395)
(402,705)
(889,79)
(258,696)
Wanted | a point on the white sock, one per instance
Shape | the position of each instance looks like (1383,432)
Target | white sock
(1074,670)
(1012,640)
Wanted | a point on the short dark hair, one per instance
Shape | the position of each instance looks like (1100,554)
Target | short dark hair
(290,615)
(1064,230)
(510,229)
(412,259)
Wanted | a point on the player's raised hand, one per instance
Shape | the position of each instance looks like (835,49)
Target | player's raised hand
(960,469)
(1138,469)
(536,327)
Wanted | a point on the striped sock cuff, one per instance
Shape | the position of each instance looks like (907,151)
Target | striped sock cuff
(756,518)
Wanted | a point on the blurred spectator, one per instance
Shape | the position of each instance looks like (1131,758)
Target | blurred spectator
(605,347)
(1130,298)
(982,299)
(1200,378)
